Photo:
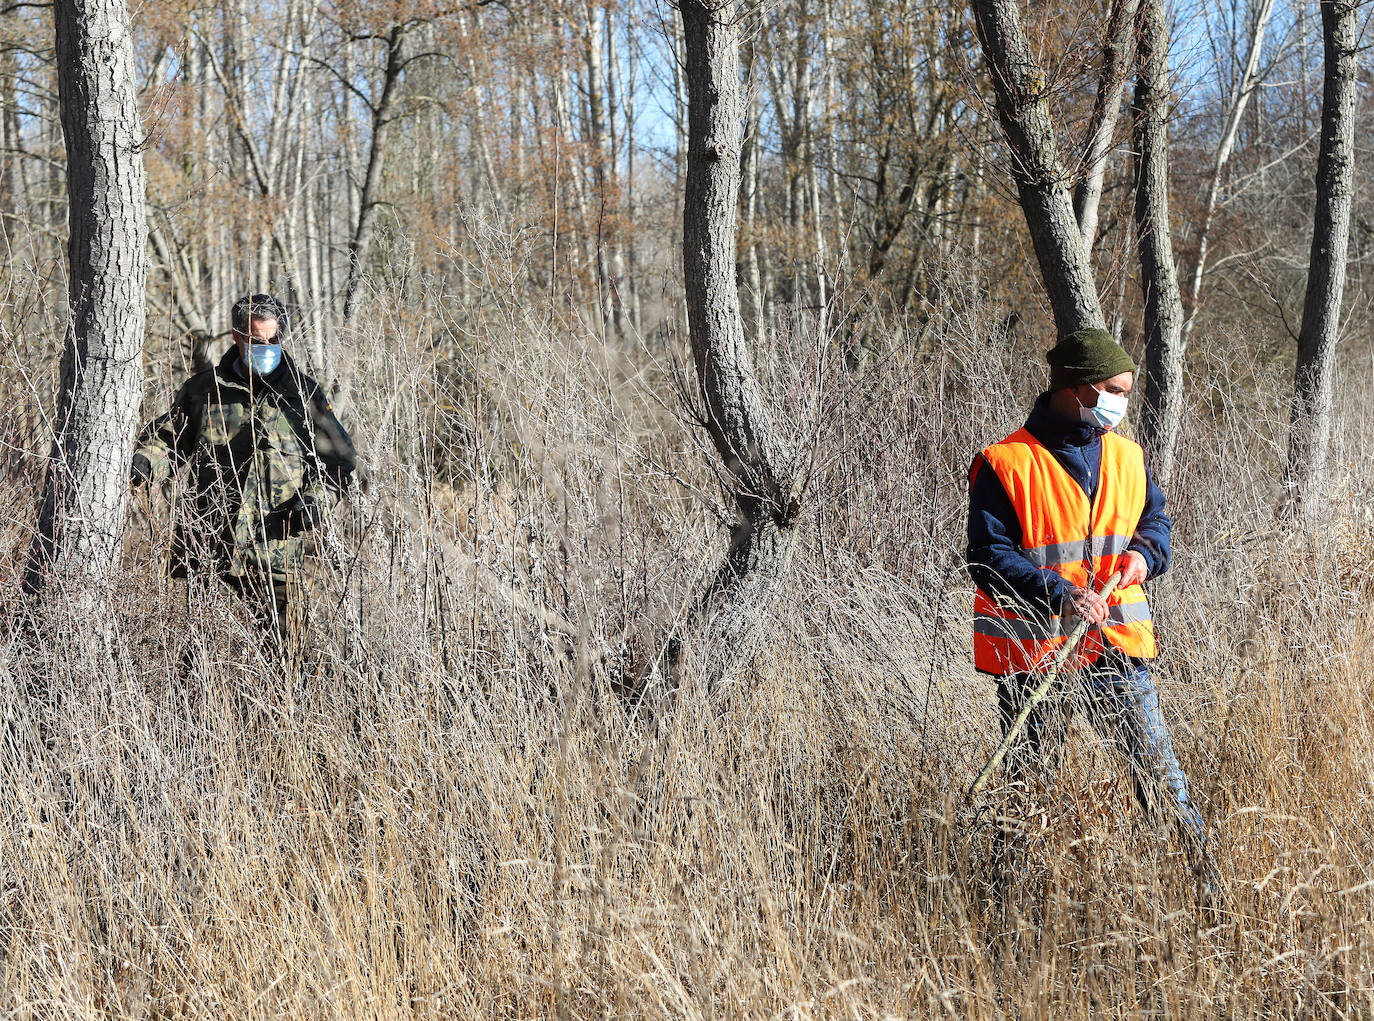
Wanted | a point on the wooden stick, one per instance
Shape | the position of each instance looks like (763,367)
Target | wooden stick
(1038,695)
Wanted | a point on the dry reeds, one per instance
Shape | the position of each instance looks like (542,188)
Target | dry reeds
(436,804)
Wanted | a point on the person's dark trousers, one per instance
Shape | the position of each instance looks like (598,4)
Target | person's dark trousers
(267,595)
(268,598)
(1120,699)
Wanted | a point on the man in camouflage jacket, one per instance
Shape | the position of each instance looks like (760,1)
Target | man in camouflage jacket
(266,457)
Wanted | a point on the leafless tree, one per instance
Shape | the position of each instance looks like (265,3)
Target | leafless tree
(1163,410)
(1240,98)
(1116,61)
(382,109)
(1041,181)
(758,465)
(1310,421)
(82,510)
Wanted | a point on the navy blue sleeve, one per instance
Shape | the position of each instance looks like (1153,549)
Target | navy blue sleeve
(995,560)
(1151,538)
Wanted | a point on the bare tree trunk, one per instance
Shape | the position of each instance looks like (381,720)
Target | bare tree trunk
(360,245)
(818,252)
(477,121)
(623,304)
(594,28)
(576,176)
(748,269)
(315,248)
(81,515)
(1163,412)
(1310,424)
(315,255)
(1116,56)
(631,185)
(832,149)
(757,462)
(1303,33)
(253,154)
(1249,79)
(678,58)
(11,144)
(1023,110)
(789,83)
(186,295)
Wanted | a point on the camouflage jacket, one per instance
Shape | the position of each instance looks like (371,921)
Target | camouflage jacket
(253,444)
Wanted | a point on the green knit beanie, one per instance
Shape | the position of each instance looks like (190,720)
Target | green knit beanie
(1086,356)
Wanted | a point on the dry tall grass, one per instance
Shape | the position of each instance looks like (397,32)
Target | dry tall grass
(439,808)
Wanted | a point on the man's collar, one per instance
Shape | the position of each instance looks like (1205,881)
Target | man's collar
(1048,426)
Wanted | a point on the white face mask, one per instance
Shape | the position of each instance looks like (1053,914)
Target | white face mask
(1107,415)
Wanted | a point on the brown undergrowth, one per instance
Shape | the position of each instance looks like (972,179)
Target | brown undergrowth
(435,805)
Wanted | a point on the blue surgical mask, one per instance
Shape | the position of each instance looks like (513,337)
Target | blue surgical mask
(263,358)
(1108,413)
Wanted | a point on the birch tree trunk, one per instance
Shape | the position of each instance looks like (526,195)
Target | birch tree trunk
(758,464)
(1163,411)
(82,510)
(1310,423)
(1023,110)
(622,236)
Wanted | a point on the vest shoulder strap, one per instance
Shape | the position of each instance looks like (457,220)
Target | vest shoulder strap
(1127,453)
(1017,445)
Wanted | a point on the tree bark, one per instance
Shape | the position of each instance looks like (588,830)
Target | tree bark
(1163,411)
(11,144)
(1116,55)
(617,103)
(1024,113)
(365,226)
(1310,423)
(757,462)
(747,267)
(81,514)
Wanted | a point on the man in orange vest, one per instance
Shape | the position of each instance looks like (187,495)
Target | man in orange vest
(1056,509)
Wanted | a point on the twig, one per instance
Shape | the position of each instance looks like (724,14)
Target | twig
(1037,696)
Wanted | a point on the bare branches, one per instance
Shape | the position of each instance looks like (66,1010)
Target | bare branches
(1313,389)
(1023,111)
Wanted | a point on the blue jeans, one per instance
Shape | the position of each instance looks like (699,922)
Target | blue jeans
(1119,698)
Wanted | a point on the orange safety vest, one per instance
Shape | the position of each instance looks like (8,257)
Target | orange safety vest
(1057,521)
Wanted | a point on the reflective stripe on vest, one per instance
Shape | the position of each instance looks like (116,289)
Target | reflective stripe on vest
(1057,553)
(1083,541)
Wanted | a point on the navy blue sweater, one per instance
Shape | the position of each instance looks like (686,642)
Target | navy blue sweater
(995,560)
